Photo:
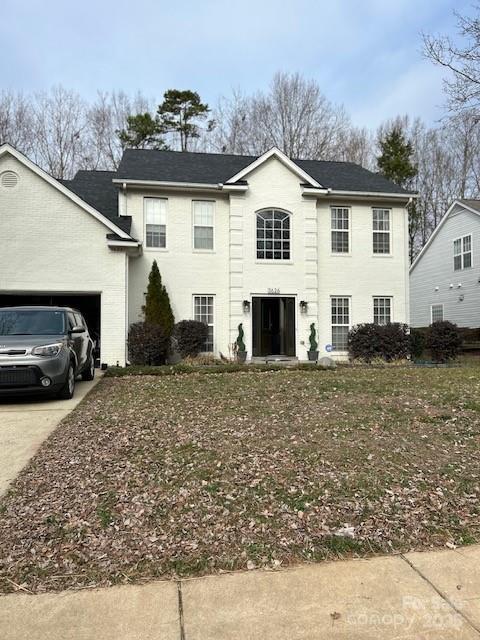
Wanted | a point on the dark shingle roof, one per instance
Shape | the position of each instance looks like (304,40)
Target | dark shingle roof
(97,190)
(213,168)
(470,202)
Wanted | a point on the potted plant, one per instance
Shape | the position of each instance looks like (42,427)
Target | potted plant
(313,351)
(241,352)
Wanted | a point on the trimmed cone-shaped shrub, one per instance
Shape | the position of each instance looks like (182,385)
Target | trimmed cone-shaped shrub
(157,309)
(190,336)
(147,344)
(444,341)
(370,341)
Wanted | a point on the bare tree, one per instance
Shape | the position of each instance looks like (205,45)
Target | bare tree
(16,125)
(105,117)
(463,87)
(292,115)
(59,122)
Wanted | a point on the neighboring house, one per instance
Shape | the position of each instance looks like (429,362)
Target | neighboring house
(269,242)
(445,277)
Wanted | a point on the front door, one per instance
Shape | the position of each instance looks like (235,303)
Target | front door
(273,326)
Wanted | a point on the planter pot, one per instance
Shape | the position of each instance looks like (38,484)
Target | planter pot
(313,356)
(241,356)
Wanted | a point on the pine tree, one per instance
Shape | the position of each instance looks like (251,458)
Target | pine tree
(179,112)
(395,163)
(157,309)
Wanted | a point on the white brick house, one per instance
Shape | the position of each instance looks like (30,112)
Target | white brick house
(268,242)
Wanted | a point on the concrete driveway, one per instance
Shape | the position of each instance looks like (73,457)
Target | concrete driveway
(24,425)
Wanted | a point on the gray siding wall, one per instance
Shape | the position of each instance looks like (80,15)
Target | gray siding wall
(435,269)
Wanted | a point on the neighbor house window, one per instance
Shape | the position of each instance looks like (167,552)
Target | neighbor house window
(381,231)
(382,310)
(462,253)
(340,323)
(203,307)
(437,312)
(155,222)
(203,216)
(273,235)
(340,217)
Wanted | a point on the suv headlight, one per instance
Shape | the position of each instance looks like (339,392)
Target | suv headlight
(48,349)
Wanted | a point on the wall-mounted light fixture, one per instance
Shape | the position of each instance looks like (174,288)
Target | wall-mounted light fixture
(461,297)
(451,286)
(303,306)
(246,306)
(436,288)
(459,285)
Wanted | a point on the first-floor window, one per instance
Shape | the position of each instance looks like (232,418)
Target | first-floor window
(155,222)
(203,312)
(437,312)
(340,323)
(382,310)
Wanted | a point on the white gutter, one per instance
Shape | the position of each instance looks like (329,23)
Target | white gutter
(366,194)
(161,183)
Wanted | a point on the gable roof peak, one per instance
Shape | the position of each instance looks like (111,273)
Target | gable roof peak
(284,159)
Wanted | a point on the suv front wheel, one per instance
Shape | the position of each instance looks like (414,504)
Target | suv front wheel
(68,389)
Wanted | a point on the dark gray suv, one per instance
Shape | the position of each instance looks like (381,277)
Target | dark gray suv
(44,349)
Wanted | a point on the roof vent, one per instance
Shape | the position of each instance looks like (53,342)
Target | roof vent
(8,179)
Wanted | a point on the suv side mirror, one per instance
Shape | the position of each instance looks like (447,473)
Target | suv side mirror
(77,329)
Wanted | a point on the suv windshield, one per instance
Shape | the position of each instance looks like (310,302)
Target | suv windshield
(31,322)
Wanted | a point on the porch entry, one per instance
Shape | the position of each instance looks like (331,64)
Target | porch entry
(273,326)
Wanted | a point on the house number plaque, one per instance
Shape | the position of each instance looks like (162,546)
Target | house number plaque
(273,290)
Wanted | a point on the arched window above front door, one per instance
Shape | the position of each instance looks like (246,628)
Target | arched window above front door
(273,235)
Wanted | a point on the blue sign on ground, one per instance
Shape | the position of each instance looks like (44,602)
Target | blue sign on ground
(329,348)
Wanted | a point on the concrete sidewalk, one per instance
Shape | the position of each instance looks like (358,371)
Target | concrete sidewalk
(419,596)
(26,422)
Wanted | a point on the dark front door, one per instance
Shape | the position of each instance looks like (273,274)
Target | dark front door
(273,326)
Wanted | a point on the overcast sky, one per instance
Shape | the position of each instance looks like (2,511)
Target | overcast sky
(365,54)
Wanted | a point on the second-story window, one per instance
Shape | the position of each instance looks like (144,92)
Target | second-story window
(203,216)
(340,217)
(381,231)
(273,235)
(155,222)
(462,253)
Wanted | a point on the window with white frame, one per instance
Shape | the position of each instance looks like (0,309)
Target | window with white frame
(437,312)
(155,222)
(203,311)
(273,235)
(340,221)
(203,217)
(381,230)
(340,323)
(382,310)
(462,253)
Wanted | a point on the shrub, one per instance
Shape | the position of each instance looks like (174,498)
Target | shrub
(444,341)
(147,344)
(370,341)
(313,338)
(190,336)
(240,342)
(417,343)
(157,309)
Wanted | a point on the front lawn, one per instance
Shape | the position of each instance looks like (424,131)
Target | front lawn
(155,476)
